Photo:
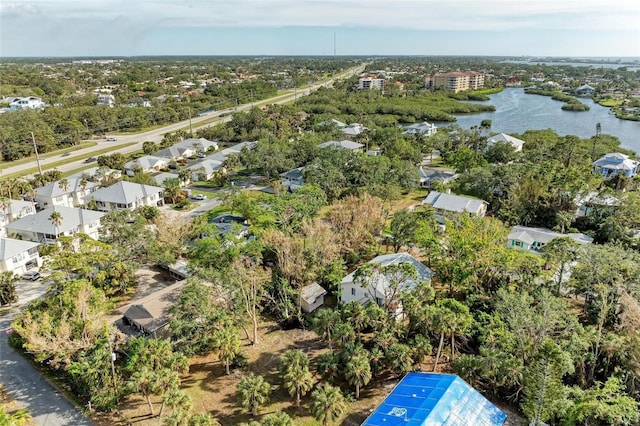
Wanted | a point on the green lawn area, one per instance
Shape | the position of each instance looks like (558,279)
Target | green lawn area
(32,158)
(610,102)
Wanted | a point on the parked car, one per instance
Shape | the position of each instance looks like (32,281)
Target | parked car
(199,197)
(90,159)
(201,155)
(111,139)
(173,166)
(31,275)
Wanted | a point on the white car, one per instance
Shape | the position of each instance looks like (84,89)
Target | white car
(111,139)
(199,197)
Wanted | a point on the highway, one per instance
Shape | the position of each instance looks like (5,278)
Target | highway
(156,135)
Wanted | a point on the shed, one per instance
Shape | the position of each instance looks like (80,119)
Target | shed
(430,399)
(312,297)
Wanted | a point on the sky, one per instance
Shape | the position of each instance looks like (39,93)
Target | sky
(580,28)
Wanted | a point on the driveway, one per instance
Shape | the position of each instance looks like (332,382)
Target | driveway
(23,382)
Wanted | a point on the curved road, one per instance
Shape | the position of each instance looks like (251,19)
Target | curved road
(157,134)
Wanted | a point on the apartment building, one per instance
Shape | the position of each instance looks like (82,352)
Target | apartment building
(371,82)
(456,81)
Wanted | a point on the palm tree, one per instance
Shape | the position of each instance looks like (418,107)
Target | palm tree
(253,392)
(325,322)
(358,372)
(56,219)
(5,204)
(294,358)
(143,381)
(298,381)
(328,404)
(203,419)
(277,419)
(63,184)
(166,381)
(449,318)
(226,344)
(176,399)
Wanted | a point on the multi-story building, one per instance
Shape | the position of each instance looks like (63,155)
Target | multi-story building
(371,82)
(26,103)
(456,81)
(106,100)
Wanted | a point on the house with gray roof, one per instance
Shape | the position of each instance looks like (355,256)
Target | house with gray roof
(585,90)
(72,194)
(127,196)
(205,169)
(352,130)
(40,228)
(420,129)
(159,178)
(175,152)
(312,297)
(445,203)
(615,163)
(343,144)
(199,145)
(430,176)
(533,239)
(293,179)
(18,256)
(147,163)
(504,138)
(380,288)
(97,174)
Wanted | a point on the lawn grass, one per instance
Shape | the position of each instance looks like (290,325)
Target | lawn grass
(610,102)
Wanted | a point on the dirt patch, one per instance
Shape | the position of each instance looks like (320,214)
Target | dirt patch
(10,406)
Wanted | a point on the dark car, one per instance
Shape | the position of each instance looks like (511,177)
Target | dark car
(90,160)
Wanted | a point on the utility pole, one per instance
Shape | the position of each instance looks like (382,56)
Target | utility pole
(112,357)
(251,98)
(35,148)
(190,125)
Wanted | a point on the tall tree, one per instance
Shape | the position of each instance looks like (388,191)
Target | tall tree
(328,404)
(56,220)
(253,392)
(358,372)
(226,343)
(8,292)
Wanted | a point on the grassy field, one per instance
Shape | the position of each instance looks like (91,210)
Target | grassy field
(51,154)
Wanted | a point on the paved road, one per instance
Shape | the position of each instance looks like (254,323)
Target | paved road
(24,383)
(157,134)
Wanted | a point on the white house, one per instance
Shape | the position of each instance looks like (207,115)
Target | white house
(504,138)
(146,163)
(533,239)
(343,144)
(18,256)
(73,194)
(200,145)
(105,99)
(585,90)
(445,203)
(205,168)
(352,130)
(30,102)
(421,129)
(587,203)
(430,176)
(14,210)
(380,288)
(615,163)
(176,152)
(40,228)
(312,297)
(159,178)
(293,179)
(127,196)
(97,174)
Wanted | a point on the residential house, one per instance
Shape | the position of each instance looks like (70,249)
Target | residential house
(149,315)
(205,169)
(147,163)
(333,122)
(446,204)
(199,145)
(18,256)
(293,179)
(312,297)
(504,138)
(176,152)
(430,176)
(533,239)
(228,223)
(421,129)
(352,130)
(585,90)
(71,194)
(14,210)
(127,196)
(40,228)
(379,288)
(344,144)
(587,203)
(30,102)
(435,399)
(615,163)
(97,174)
(159,178)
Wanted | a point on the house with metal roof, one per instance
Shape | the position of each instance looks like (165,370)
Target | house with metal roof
(40,228)
(18,256)
(533,239)
(430,399)
(381,288)
(615,163)
(127,196)
(205,169)
(343,144)
(15,209)
(176,152)
(159,178)
(504,138)
(200,145)
(430,176)
(420,129)
(312,297)
(69,194)
(352,130)
(445,203)
(293,179)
